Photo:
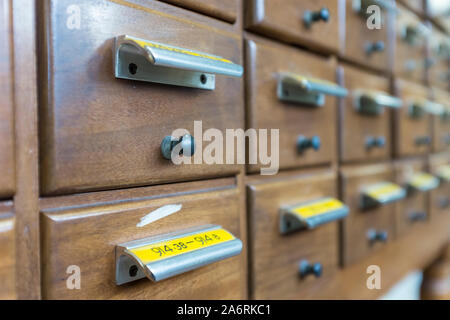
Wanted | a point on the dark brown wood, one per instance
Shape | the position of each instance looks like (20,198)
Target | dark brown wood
(284,21)
(439,198)
(7,253)
(355,127)
(226,10)
(275,258)
(7,162)
(265,61)
(99,132)
(355,244)
(86,235)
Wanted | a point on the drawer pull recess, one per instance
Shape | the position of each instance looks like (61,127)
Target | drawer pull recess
(300,89)
(443,172)
(423,181)
(381,193)
(142,60)
(165,256)
(311,214)
(418,108)
(373,102)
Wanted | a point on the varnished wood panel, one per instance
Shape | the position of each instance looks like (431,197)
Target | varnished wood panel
(7,253)
(7,167)
(355,127)
(355,244)
(265,60)
(98,132)
(274,257)
(222,9)
(407,129)
(439,197)
(86,235)
(284,21)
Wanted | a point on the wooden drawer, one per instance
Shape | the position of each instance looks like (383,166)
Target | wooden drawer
(265,63)
(84,230)
(274,257)
(413,209)
(415,5)
(439,60)
(7,183)
(7,253)
(412,128)
(286,21)
(411,34)
(439,197)
(100,132)
(441,123)
(361,222)
(357,128)
(361,44)
(226,10)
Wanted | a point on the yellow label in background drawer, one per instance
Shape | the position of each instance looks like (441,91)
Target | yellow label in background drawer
(174,247)
(443,172)
(383,191)
(423,181)
(317,208)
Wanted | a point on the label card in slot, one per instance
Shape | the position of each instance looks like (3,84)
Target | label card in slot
(422,181)
(382,193)
(443,172)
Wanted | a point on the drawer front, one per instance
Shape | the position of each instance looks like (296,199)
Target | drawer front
(412,134)
(109,131)
(226,10)
(361,43)
(439,62)
(356,228)
(416,5)
(357,128)
(413,209)
(286,21)
(410,45)
(264,62)
(86,236)
(6,106)
(441,124)
(7,253)
(274,257)
(439,197)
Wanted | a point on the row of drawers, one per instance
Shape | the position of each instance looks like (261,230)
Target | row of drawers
(83,230)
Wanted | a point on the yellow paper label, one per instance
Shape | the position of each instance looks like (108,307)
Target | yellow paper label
(444,172)
(166,249)
(422,179)
(300,78)
(317,208)
(383,190)
(144,44)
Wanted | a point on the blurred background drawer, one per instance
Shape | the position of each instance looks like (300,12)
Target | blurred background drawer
(226,10)
(410,35)
(286,21)
(441,123)
(365,230)
(84,230)
(7,253)
(415,5)
(413,209)
(275,258)
(365,46)
(266,62)
(7,182)
(438,61)
(99,132)
(439,197)
(412,128)
(363,136)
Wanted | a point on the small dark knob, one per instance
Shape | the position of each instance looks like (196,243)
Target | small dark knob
(372,47)
(375,142)
(306,268)
(423,141)
(417,216)
(304,143)
(377,236)
(187,146)
(313,16)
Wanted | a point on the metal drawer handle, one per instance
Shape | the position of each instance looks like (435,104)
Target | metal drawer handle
(422,141)
(381,193)
(418,108)
(299,89)
(305,268)
(370,102)
(186,146)
(372,47)
(304,143)
(138,59)
(412,34)
(309,17)
(311,214)
(423,182)
(162,257)
(374,236)
(375,142)
(417,216)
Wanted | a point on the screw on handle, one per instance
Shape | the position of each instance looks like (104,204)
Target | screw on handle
(423,141)
(304,143)
(372,47)
(417,216)
(305,268)
(375,142)
(187,147)
(310,17)
(377,236)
